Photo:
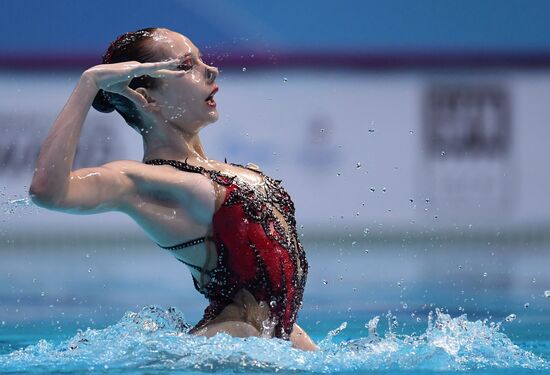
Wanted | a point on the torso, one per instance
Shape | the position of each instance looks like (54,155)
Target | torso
(162,214)
(175,206)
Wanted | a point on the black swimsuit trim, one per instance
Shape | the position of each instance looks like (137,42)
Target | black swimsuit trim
(194,242)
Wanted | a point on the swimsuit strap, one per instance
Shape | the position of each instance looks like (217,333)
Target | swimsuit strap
(200,269)
(183,245)
(194,242)
(216,176)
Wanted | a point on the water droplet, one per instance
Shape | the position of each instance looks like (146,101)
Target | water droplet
(484,274)
(405,306)
(354,243)
(325,282)
(244,69)
(442,153)
(89,270)
(338,174)
(358,165)
(372,189)
(42,294)
(371,130)
(273,303)
(366,231)
(366,251)
(285,79)
(384,190)
(322,130)
(411,131)
(411,200)
(87,255)
(336,331)
(418,319)
(547,294)
(511,318)
(526,305)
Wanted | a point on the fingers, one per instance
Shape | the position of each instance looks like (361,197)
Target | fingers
(165,72)
(155,69)
(152,68)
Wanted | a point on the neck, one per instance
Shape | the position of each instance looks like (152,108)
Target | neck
(173,144)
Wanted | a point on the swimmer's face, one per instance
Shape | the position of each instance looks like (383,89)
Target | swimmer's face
(181,99)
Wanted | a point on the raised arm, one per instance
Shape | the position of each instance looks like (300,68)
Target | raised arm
(51,178)
(88,190)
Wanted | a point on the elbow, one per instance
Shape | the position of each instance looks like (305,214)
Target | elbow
(41,197)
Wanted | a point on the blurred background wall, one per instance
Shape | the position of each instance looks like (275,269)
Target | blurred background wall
(385,118)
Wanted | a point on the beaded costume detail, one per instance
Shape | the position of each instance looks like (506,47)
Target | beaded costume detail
(255,250)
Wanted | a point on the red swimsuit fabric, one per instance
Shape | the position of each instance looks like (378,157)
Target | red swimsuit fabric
(255,251)
(256,261)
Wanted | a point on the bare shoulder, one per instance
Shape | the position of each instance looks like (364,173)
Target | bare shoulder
(166,183)
(142,172)
(125,166)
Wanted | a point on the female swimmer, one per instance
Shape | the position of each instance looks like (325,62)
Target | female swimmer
(233,226)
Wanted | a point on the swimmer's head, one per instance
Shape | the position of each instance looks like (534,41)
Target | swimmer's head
(176,100)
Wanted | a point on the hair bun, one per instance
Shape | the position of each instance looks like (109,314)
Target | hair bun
(102,102)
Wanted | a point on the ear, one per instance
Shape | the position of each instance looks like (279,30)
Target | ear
(151,105)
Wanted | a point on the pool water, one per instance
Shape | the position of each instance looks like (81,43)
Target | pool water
(109,311)
(154,339)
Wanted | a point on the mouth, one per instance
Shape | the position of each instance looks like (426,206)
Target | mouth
(210,99)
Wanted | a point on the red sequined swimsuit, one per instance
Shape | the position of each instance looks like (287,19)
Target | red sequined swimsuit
(254,249)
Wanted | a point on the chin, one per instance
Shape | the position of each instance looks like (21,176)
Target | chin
(213,116)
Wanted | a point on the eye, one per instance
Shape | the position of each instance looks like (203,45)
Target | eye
(186,65)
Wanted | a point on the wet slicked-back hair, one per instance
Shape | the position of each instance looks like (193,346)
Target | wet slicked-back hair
(131,46)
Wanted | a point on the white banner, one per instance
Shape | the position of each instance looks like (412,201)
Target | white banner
(385,152)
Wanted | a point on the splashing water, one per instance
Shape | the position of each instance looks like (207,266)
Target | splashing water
(155,339)
(10,206)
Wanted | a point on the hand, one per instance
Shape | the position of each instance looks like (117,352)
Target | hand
(116,77)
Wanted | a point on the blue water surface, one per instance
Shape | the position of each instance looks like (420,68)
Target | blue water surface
(155,340)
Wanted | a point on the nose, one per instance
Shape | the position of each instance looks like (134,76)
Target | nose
(211,73)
